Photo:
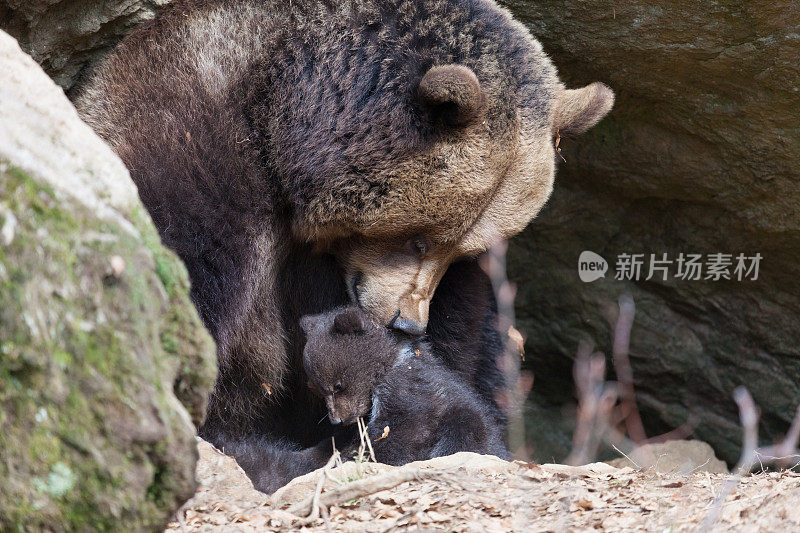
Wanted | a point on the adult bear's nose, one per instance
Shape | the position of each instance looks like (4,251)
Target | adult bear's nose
(411,327)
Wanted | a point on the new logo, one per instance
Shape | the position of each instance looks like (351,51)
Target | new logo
(591,266)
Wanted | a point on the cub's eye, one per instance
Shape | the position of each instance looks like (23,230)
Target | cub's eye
(417,245)
(338,388)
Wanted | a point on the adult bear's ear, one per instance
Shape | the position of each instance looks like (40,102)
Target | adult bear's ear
(577,110)
(349,321)
(452,93)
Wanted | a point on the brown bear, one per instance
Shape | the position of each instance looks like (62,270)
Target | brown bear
(361,370)
(306,154)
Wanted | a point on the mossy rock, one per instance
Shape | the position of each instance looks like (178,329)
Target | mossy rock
(104,364)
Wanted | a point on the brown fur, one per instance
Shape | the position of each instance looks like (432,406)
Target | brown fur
(454,93)
(263,134)
(577,110)
(362,370)
(345,357)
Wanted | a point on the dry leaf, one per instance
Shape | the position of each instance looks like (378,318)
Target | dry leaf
(516,338)
(383,435)
(585,504)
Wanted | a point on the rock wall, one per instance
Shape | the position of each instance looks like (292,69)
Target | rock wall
(67,36)
(104,364)
(700,155)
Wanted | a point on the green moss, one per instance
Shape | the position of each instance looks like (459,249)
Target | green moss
(20,178)
(165,271)
(39,198)
(80,354)
(62,358)
(169,341)
(169,269)
(43,446)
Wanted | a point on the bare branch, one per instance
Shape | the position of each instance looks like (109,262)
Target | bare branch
(518,383)
(596,401)
(622,367)
(599,415)
(315,505)
(786,449)
(362,487)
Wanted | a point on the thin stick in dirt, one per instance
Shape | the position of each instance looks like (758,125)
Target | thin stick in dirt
(315,505)
(363,487)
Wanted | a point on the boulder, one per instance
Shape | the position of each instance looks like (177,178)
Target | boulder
(699,155)
(673,457)
(67,37)
(104,364)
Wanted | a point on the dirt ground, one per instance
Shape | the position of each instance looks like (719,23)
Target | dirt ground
(469,492)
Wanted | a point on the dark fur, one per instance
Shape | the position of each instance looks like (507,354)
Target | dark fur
(285,460)
(463,341)
(291,135)
(363,371)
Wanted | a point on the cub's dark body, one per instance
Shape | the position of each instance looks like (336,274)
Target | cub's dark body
(362,370)
(430,413)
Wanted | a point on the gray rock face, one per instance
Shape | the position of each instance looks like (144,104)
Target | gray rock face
(700,155)
(104,364)
(66,37)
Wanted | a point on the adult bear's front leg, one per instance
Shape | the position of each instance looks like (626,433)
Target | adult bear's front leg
(463,331)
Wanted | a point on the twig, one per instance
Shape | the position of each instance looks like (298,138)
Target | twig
(314,514)
(787,448)
(596,399)
(622,366)
(598,413)
(680,432)
(362,487)
(364,436)
(748,415)
(634,463)
(327,518)
(518,384)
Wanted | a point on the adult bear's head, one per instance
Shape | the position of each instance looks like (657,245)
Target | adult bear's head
(422,132)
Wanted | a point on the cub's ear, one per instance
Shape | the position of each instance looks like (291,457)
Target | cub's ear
(453,93)
(349,321)
(577,110)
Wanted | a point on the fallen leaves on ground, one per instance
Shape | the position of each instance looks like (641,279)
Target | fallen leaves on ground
(480,493)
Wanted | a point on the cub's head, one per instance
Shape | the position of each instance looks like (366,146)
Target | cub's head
(345,357)
(441,141)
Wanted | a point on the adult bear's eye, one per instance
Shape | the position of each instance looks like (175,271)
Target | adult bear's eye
(355,284)
(417,245)
(338,388)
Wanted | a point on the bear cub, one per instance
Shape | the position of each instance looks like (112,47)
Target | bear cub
(363,370)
